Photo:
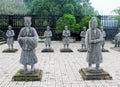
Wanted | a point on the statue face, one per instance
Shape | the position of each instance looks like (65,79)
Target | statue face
(93,23)
(27,21)
(9,27)
(66,27)
(48,28)
(84,28)
(27,24)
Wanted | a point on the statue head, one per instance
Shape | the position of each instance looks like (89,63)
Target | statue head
(102,28)
(48,27)
(9,27)
(84,28)
(66,27)
(93,23)
(27,21)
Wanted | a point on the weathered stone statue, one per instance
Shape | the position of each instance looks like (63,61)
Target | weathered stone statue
(82,34)
(93,40)
(93,44)
(103,35)
(28,39)
(117,39)
(10,34)
(66,35)
(48,35)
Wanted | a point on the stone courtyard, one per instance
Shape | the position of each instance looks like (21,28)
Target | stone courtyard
(59,69)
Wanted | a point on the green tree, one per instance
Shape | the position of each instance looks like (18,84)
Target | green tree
(85,21)
(60,7)
(66,20)
(117,11)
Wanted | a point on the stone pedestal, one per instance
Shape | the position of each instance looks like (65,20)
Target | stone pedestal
(10,50)
(66,50)
(47,50)
(28,77)
(116,48)
(94,76)
(82,50)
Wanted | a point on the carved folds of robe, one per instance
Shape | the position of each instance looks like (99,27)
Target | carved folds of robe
(94,55)
(10,34)
(28,39)
(104,35)
(47,35)
(82,34)
(66,35)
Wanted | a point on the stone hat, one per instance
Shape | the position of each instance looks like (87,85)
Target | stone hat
(27,19)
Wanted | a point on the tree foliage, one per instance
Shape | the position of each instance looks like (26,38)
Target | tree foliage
(85,21)
(60,7)
(12,7)
(66,20)
(117,11)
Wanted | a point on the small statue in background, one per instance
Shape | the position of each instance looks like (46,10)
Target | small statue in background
(66,35)
(117,39)
(82,34)
(48,35)
(103,35)
(10,34)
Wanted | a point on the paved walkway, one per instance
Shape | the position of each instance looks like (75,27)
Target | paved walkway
(59,69)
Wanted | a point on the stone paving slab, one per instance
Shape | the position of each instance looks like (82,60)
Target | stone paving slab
(59,69)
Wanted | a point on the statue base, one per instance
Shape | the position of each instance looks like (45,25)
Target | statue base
(82,50)
(104,50)
(10,50)
(2,42)
(116,48)
(94,76)
(47,50)
(37,76)
(66,50)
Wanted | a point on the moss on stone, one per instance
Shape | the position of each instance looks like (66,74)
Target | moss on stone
(10,50)
(28,77)
(66,50)
(47,50)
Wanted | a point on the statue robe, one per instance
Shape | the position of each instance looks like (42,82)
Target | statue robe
(47,35)
(104,35)
(10,34)
(28,41)
(94,55)
(82,34)
(66,35)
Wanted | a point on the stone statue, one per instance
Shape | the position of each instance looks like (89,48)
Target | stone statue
(93,40)
(82,34)
(66,35)
(28,39)
(104,35)
(10,34)
(48,35)
(117,39)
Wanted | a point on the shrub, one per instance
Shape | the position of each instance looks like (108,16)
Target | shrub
(66,20)
(85,21)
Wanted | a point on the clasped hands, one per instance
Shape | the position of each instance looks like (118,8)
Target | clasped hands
(94,41)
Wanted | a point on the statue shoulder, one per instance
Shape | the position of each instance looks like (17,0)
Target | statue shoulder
(98,29)
(12,30)
(88,30)
(32,28)
(23,28)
